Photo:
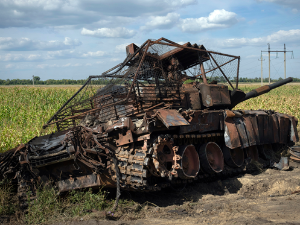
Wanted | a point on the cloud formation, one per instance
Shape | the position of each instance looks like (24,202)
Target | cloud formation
(51,55)
(162,22)
(93,54)
(289,3)
(44,66)
(119,32)
(26,44)
(20,57)
(216,19)
(122,47)
(281,36)
(80,13)
(134,8)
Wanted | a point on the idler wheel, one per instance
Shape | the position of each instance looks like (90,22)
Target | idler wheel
(211,158)
(189,162)
(252,152)
(233,157)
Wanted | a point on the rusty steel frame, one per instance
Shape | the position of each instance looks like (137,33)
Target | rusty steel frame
(221,70)
(216,67)
(143,48)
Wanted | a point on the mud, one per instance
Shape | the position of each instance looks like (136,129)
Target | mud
(271,197)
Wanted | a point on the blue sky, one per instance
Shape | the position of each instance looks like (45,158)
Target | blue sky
(72,39)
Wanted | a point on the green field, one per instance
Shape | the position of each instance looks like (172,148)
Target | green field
(24,110)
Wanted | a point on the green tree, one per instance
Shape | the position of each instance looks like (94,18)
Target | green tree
(36,78)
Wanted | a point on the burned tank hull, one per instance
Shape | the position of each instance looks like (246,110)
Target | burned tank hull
(164,148)
(149,129)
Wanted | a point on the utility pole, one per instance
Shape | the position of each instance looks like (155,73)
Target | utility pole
(269,63)
(33,79)
(284,62)
(269,51)
(261,73)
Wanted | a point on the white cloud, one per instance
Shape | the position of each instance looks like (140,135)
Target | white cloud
(115,59)
(41,4)
(133,8)
(119,32)
(282,36)
(93,54)
(162,22)
(81,13)
(20,57)
(43,66)
(181,3)
(121,47)
(62,54)
(26,44)
(295,11)
(67,54)
(216,19)
(288,3)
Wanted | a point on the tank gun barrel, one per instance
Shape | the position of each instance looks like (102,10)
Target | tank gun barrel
(238,96)
(266,88)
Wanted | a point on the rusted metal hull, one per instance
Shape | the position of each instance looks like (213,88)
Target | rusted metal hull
(147,161)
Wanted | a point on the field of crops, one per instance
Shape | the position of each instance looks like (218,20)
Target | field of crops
(23,110)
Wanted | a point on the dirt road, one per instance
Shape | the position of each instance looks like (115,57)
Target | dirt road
(270,197)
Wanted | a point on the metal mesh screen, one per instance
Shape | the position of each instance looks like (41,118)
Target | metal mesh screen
(151,76)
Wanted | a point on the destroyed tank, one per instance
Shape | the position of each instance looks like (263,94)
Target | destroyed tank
(164,117)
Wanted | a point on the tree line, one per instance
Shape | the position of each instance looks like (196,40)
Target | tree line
(221,79)
(38,81)
(265,80)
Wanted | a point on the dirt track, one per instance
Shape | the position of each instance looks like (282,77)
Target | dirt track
(265,198)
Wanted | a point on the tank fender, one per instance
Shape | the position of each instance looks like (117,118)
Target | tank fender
(257,127)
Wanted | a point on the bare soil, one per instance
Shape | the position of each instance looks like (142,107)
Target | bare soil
(271,197)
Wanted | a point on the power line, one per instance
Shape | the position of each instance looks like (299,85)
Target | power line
(261,70)
(269,51)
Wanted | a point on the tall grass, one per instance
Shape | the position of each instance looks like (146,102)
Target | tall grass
(24,110)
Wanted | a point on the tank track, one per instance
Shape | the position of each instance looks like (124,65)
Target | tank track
(135,174)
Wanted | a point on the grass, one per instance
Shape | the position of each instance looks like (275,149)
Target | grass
(49,207)
(23,111)
(7,205)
